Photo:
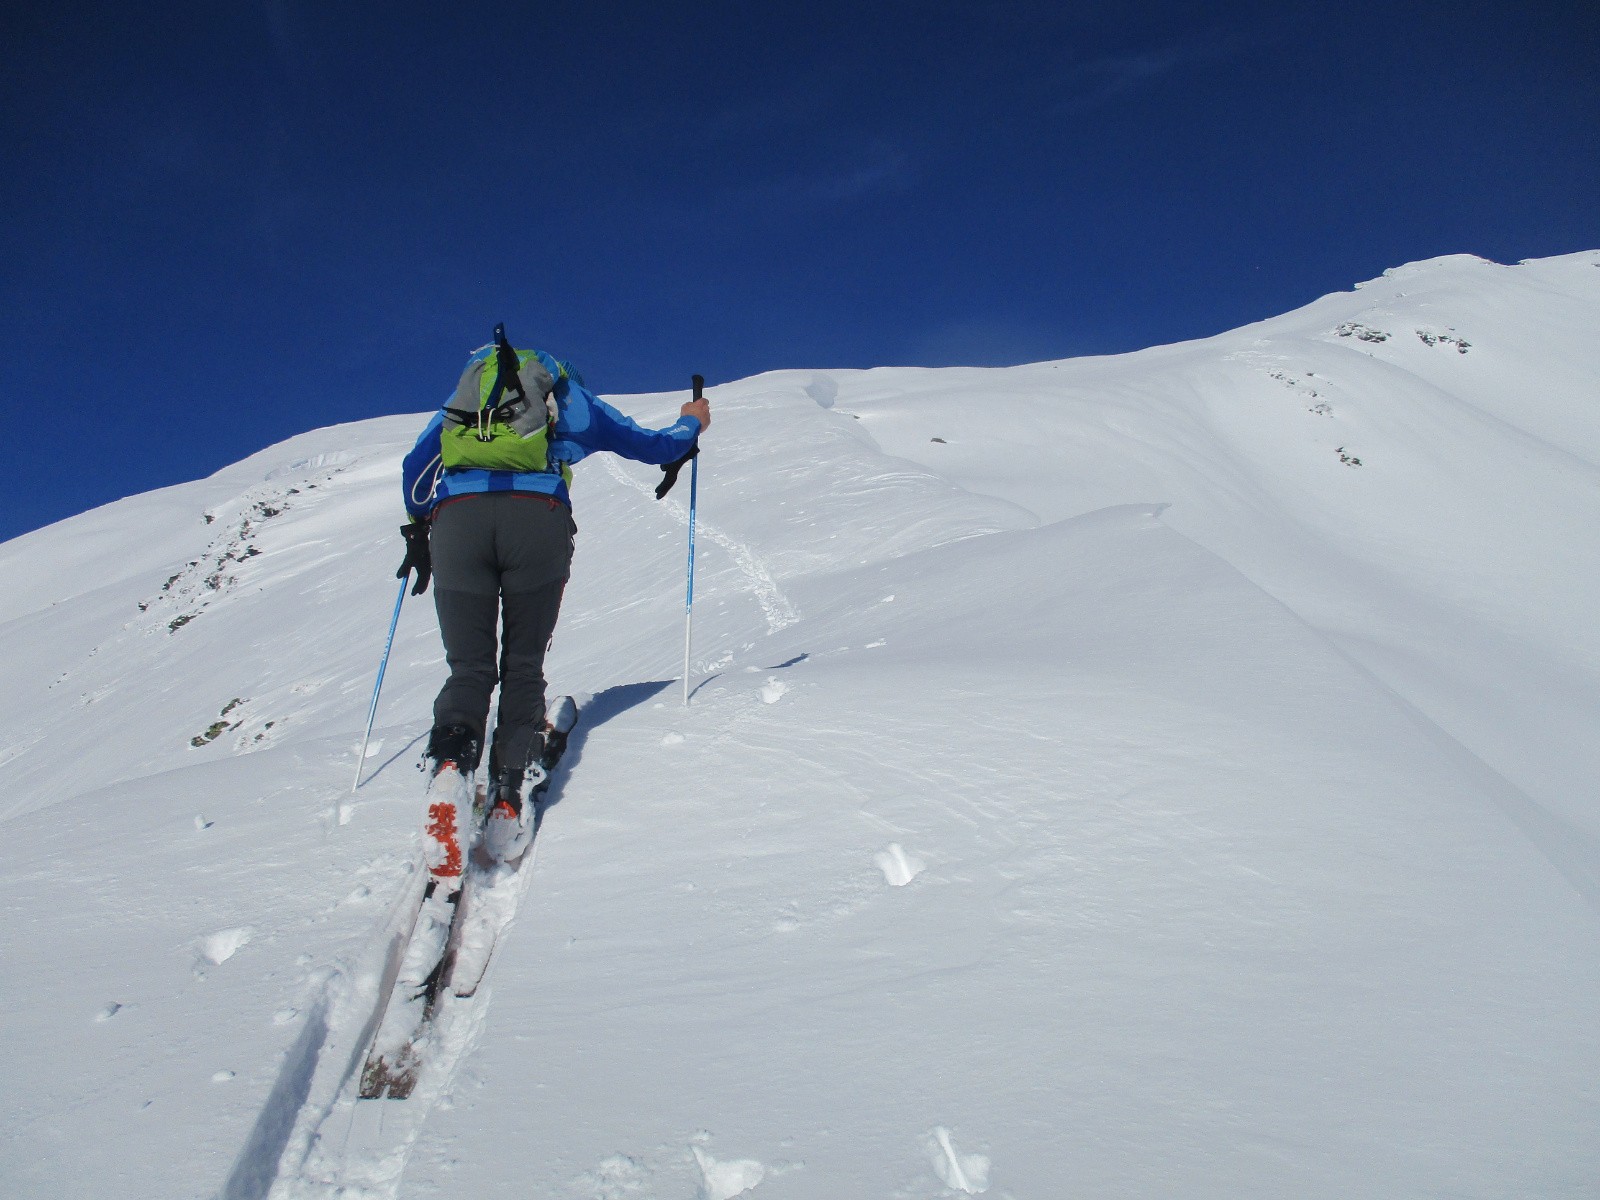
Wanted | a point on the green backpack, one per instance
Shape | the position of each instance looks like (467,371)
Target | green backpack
(494,423)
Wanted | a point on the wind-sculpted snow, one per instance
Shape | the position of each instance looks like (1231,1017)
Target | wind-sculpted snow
(1456,560)
(1163,775)
(1179,853)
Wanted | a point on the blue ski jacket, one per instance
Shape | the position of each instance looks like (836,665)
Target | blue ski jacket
(585,424)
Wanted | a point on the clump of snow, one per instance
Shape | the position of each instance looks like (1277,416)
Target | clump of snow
(217,948)
(725,1180)
(966,1173)
(898,867)
(223,944)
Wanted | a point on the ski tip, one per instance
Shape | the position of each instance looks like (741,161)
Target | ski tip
(400,1089)
(562,714)
(374,1079)
(382,1080)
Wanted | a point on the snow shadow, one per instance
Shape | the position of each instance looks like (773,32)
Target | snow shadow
(596,711)
(709,679)
(257,1168)
(403,752)
(604,705)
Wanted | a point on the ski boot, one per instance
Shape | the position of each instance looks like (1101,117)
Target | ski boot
(514,804)
(513,808)
(451,758)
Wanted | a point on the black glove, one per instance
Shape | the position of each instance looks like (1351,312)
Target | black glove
(671,471)
(418,557)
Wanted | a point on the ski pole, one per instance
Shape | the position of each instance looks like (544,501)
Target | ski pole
(688,603)
(383,664)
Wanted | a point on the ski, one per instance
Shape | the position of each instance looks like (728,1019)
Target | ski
(468,899)
(395,1056)
(494,898)
(395,1059)
(480,930)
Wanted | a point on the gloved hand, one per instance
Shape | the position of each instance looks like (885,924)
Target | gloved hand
(418,556)
(671,470)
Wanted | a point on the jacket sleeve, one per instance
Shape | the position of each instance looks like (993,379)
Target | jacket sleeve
(420,471)
(607,429)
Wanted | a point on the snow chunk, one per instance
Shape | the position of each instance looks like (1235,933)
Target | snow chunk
(967,1173)
(219,947)
(898,867)
(724,1180)
(772,691)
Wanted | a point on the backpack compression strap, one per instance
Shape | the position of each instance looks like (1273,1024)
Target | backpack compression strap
(506,360)
(507,366)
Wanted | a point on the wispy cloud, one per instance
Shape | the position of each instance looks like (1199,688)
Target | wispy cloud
(772,111)
(886,169)
(1101,81)
(844,179)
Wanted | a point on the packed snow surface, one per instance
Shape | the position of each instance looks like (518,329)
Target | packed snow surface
(1162,775)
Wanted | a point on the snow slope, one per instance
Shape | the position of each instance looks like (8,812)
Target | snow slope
(1154,775)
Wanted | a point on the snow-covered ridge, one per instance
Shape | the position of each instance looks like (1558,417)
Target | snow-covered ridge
(1168,773)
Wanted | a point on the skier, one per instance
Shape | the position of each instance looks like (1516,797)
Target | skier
(486,491)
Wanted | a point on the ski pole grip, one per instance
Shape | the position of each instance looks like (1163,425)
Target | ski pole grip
(699,385)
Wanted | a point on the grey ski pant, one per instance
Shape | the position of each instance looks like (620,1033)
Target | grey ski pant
(498,559)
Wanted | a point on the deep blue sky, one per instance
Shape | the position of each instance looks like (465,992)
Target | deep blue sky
(222,224)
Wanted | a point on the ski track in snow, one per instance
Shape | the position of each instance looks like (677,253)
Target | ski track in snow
(780,613)
(314,1139)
